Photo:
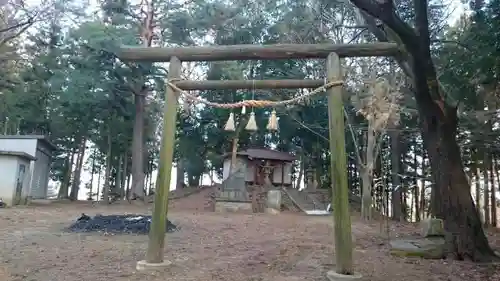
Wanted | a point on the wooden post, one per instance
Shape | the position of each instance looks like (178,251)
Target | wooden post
(157,231)
(248,84)
(338,170)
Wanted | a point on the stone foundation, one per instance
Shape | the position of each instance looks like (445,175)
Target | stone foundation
(149,267)
(228,206)
(334,276)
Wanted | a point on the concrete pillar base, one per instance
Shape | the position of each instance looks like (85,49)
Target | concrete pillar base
(146,266)
(332,275)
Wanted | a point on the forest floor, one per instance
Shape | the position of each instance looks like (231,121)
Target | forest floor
(209,246)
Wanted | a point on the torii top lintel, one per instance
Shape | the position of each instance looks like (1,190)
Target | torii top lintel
(256,52)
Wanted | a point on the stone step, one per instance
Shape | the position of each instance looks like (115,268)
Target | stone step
(302,200)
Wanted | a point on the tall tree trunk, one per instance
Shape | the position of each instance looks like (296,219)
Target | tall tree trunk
(151,186)
(452,198)
(193,179)
(99,184)
(493,193)
(181,172)
(350,181)
(75,187)
(453,201)
(107,172)
(118,178)
(149,177)
(416,181)
(123,180)
(411,209)
(128,190)
(495,168)
(301,170)
(477,178)
(6,126)
(416,201)
(379,177)
(138,139)
(486,189)
(68,167)
(146,184)
(406,210)
(92,172)
(367,176)
(360,160)
(397,213)
(211,175)
(424,184)
(74,183)
(138,147)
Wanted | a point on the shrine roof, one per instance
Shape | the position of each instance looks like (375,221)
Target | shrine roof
(265,154)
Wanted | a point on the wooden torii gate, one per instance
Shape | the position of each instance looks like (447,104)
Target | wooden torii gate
(338,170)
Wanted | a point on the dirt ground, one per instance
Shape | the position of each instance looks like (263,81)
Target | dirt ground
(209,246)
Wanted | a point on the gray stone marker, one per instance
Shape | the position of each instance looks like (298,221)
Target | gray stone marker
(274,199)
(432,227)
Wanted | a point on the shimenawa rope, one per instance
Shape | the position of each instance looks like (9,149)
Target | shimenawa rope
(253,103)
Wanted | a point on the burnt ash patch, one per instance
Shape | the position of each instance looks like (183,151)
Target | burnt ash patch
(117,224)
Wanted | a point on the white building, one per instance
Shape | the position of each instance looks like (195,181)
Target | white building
(14,183)
(40,149)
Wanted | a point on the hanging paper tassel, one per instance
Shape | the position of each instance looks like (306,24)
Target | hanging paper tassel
(243,110)
(230,123)
(252,125)
(272,124)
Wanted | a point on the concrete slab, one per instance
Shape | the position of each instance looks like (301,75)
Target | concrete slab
(237,207)
(272,211)
(146,266)
(317,212)
(332,275)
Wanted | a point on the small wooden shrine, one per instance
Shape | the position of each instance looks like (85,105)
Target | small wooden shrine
(256,171)
(260,165)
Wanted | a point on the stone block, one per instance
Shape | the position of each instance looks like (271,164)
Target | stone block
(427,248)
(432,227)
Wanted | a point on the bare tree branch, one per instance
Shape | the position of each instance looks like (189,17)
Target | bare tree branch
(384,10)
(382,36)
(17,19)
(29,21)
(16,34)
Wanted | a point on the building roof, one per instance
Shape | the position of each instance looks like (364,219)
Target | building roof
(265,154)
(18,154)
(41,138)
